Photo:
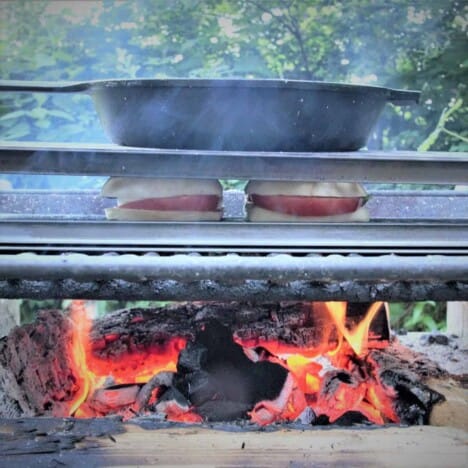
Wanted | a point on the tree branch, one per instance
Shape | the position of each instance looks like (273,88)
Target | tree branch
(455,135)
(292,26)
(440,127)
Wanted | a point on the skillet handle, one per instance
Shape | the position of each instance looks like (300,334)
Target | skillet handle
(44,86)
(401,97)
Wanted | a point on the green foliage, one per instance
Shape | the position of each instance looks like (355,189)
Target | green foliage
(104,307)
(399,44)
(445,117)
(413,316)
(418,316)
(29,308)
(413,45)
(233,184)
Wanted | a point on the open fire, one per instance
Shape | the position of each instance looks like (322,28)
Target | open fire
(315,363)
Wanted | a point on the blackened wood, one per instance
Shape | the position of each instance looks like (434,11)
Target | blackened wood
(36,376)
(298,323)
(44,344)
(355,311)
(41,436)
(223,410)
(13,401)
(225,383)
(37,355)
(40,442)
(162,379)
(415,399)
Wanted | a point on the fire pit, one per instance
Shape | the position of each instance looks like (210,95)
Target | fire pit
(319,363)
(225,366)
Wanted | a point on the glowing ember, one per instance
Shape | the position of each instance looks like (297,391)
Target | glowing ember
(287,406)
(137,366)
(308,366)
(333,377)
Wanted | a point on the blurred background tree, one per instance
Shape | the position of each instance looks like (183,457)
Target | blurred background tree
(414,45)
(397,43)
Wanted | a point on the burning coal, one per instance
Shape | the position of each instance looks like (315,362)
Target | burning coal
(316,363)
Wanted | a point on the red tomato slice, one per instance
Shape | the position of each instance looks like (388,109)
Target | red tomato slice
(306,206)
(181,203)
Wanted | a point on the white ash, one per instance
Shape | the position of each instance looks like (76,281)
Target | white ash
(449,357)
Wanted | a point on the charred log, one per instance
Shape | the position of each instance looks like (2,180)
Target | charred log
(226,364)
(300,324)
(35,359)
(36,376)
(414,398)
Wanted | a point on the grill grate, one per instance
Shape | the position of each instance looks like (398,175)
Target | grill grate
(234,277)
(415,246)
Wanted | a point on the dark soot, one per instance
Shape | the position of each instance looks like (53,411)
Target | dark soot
(219,380)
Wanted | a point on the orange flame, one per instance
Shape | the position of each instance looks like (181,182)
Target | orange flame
(136,366)
(340,348)
(305,365)
(87,380)
(306,372)
(356,338)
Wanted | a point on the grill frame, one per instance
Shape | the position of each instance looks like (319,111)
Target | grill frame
(352,166)
(234,277)
(409,253)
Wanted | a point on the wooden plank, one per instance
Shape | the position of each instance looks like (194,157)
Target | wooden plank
(384,447)
(194,446)
(453,411)
(38,442)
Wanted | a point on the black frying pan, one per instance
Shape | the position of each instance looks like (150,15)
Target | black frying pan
(234,114)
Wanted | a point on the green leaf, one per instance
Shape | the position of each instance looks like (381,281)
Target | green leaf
(429,323)
(61,114)
(14,115)
(17,132)
(38,113)
(42,123)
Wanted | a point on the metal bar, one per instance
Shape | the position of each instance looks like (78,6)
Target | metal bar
(435,205)
(236,234)
(252,291)
(113,160)
(259,250)
(279,268)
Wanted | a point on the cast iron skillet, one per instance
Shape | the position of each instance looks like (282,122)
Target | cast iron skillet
(232,114)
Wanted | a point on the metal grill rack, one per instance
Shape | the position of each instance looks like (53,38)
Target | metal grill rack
(58,244)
